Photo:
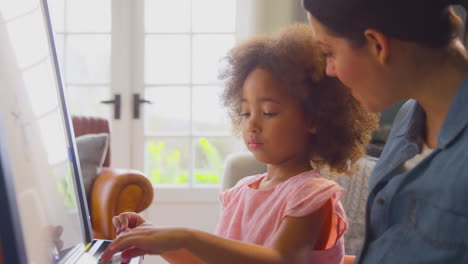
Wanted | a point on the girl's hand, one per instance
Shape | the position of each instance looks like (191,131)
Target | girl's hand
(146,239)
(128,220)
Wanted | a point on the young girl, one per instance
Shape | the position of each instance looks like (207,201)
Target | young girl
(297,121)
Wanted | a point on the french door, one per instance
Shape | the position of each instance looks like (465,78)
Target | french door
(159,59)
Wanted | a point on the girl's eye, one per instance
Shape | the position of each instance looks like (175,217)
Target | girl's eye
(269,114)
(244,114)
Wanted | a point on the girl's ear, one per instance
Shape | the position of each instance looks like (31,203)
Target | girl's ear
(378,44)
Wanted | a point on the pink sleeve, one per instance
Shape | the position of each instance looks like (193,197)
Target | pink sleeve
(226,196)
(312,195)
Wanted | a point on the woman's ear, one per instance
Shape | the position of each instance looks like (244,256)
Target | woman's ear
(378,44)
(312,130)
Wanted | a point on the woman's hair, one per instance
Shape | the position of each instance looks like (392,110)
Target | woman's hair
(343,126)
(431,23)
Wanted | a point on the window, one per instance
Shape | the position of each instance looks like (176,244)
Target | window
(83,39)
(187,133)
(167,52)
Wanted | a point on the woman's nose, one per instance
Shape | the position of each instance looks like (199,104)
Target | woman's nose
(330,70)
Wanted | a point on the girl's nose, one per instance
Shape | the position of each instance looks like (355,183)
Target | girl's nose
(330,70)
(253,125)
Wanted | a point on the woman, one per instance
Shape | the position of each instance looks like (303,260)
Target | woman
(389,51)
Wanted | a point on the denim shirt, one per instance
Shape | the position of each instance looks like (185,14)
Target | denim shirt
(421,215)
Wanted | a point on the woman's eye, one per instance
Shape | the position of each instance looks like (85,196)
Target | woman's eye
(327,54)
(244,114)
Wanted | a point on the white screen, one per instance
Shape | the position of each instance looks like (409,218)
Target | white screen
(36,136)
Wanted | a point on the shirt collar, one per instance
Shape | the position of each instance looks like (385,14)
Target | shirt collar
(455,121)
(457,117)
(414,125)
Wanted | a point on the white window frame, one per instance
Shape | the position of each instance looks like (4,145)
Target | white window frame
(171,192)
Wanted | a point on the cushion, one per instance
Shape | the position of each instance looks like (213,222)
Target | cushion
(237,166)
(92,149)
(354,202)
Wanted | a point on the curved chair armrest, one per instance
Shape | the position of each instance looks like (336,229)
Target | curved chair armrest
(116,191)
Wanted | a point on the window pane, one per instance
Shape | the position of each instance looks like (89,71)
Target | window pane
(26,29)
(167,16)
(167,160)
(88,15)
(85,100)
(208,114)
(43,98)
(207,52)
(57,13)
(169,111)
(214,15)
(167,59)
(12,9)
(210,153)
(88,58)
(53,137)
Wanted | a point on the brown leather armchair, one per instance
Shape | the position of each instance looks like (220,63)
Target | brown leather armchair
(114,190)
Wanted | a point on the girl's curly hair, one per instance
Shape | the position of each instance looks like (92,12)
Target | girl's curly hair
(343,126)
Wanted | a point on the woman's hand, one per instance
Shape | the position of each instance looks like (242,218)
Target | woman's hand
(146,239)
(127,220)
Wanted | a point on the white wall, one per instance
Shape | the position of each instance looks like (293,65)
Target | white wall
(266,16)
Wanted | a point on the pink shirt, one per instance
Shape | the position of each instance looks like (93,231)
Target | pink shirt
(254,216)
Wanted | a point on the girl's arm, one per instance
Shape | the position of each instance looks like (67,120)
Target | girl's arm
(291,245)
(180,256)
(293,242)
(289,238)
(349,259)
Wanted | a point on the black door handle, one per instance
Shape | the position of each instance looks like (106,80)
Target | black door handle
(136,105)
(117,102)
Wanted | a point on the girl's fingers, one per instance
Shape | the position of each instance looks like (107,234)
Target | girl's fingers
(125,219)
(59,244)
(58,230)
(132,252)
(116,223)
(121,243)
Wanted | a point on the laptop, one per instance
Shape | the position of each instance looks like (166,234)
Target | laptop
(44,213)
